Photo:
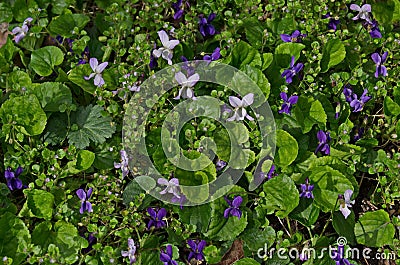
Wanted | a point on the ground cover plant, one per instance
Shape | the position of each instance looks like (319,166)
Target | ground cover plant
(199,132)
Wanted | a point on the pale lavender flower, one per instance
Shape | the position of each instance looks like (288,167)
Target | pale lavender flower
(172,186)
(187,84)
(97,71)
(130,252)
(20,32)
(345,203)
(240,112)
(363,11)
(168,45)
(124,165)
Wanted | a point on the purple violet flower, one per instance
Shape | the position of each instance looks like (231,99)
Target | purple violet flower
(214,56)
(166,256)
(306,190)
(177,8)
(233,208)
(124,165)
(91,240)
(130,252)
(156,218)
(287,102)
(85,56)
(97,70)
(346,203)
(206,29)
(358,104)
(13,182)
(84,197)
(323,139)
(348,93)
(197,248)
(20,32)
(333,21)
(240,112)
(338,256)
(363,11)
(373,28)
(379,61)
(359,134)
(293,70)
(181,200)
(296,36)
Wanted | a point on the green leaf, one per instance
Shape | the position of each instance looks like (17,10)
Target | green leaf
(255,238)
(77,75)
(345,227)
(259,78)
(44,59)
(246,261)
(64,25)
(56,129)
(52,95)
(374,229)
(306,212)
(19,79)
(243,54)
(196,215)
(287,148)
(267,59)
(21,9)
(14,238)
(391,108)
(308,112)
(42,235)
(281,195)
(334,52)
(30,121)
(383,11)
(6,12)
(254,32)
(290,49)
(84,160)
(67,240)
(225,229)
(91,125)
(328,184)
(40,203)
(131,191)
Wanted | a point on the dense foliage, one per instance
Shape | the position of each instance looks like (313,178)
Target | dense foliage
(85,82)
